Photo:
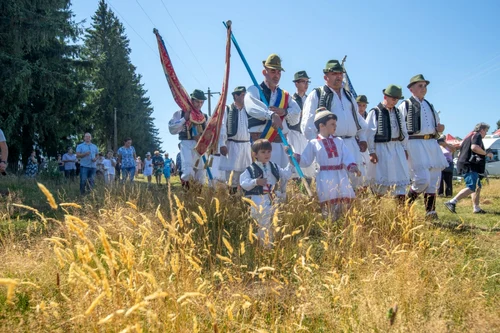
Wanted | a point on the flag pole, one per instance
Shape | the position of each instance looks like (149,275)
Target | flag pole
(266,102)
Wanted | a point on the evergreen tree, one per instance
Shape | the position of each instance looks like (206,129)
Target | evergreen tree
(40,89)
(115,87)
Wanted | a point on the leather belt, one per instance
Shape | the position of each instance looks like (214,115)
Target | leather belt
(395,139)
(331,167)
(422,137)
(238,141)
(256,136)
(345,137)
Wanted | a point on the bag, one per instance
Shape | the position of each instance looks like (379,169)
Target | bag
(476,159)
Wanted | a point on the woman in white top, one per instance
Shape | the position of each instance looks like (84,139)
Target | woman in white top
(148,166)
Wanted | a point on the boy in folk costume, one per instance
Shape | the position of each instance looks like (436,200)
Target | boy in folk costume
(190,125)
(388,166)
(259,182)
(335,161)
(337,99)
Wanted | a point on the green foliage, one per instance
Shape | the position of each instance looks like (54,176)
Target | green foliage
(40,87)
(115,87)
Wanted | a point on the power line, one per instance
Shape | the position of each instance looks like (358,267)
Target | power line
(185,41)
(169,46)
(150,20)
(131,27)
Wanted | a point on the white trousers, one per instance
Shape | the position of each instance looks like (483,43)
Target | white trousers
(425,180)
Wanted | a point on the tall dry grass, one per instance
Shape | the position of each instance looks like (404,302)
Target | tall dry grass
(117,262)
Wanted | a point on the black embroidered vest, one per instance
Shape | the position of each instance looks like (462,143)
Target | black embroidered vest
(256,172)
(254,121)
(325,96)
(384,131)
(183,135)
(413,116)
(232,120)
(296,127)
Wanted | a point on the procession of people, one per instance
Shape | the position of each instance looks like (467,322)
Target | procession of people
(347,148)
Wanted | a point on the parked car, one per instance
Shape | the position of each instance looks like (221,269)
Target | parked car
(492,144)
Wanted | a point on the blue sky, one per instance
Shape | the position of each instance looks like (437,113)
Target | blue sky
(455,44)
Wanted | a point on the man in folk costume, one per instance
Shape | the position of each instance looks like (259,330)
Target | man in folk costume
(388,167)
(362,102)
(264,121)
(295,137)
(425,157)
(335,98)
(189,126)
(234,140)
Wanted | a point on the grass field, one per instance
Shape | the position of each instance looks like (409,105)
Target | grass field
(152,259)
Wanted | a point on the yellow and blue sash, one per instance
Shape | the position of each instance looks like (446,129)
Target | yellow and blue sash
(270,132)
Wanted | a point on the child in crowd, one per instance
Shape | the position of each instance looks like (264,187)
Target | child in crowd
(259,182)
(109,168)
(148,167)
(334,161)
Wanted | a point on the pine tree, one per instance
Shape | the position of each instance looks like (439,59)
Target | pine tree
(115,86)
(40,89)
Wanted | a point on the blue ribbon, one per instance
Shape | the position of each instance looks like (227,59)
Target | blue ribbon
(265,101)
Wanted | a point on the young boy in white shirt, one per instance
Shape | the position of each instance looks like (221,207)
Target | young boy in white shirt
(259,184)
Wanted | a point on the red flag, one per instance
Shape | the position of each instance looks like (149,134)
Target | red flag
(209,139)
(180,95)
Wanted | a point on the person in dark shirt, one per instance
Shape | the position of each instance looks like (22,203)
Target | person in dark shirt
(471,164)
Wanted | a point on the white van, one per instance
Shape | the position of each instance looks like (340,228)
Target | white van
(492,142)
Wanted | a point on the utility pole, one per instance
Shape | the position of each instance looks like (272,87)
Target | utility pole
(115,134)
(209,94)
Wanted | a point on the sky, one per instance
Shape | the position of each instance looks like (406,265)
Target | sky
(454,44)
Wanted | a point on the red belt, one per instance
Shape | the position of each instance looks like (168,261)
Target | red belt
(331,167)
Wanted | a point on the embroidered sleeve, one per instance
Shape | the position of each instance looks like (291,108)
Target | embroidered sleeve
(176,124)
(254,105)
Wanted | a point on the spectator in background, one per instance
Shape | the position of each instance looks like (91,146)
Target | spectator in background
(447,173)
(100,166)
(4,153)
(118,169)
(69,160)
(60,163)
(109,165)
(158,166)
(148,167)
(168,167)
(138,165)
(32,165)
(87,153)
(127,157)
(472,164)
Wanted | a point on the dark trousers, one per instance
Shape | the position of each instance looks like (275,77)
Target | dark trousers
(446,179)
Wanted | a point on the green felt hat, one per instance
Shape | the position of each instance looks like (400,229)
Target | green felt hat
(300,75)
(198,94)
(393,91)
(333,66)
(274,62)
(362,99)
(417,78)
(240,89)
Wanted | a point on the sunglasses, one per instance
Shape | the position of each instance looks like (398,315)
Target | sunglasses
(303,81)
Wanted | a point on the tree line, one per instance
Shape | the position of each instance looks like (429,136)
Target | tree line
(59,80)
